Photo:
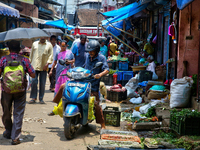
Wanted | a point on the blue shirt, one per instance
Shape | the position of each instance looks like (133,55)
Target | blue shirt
(79,53)
(89,64)
(104,50)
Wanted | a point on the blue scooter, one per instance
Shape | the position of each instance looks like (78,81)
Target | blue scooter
(75,99)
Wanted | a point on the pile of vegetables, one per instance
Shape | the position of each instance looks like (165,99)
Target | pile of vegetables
(140,120)
(117,58)
(151,112)
(188,143)
(178,116)
(117,88)
(117,137)
(111,71)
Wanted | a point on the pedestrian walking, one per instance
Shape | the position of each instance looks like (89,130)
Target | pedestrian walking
(68,56)
(14,90)
(41,56)
(79,51)
(103,48)
(56,50)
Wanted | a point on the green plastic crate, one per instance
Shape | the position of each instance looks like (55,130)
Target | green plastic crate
(189,126)
(112,116)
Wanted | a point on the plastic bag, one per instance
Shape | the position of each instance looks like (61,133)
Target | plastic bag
(91,108)
(136,100)
(180,92)
(58,110)
(136,114)
(103,90)
(131,86)
(144,109)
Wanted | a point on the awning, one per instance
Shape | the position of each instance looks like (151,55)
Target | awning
(34,19)
(59,24)
(8,11)
(122,10)
(52,2)
(37,20)
(124,16)
(181,4)
(120,26)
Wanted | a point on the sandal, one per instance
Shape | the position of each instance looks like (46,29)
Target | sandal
(15,142)
(51,114)
(32,101)
(42,102)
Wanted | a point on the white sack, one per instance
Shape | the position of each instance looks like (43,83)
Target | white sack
(131,86)
(180,92)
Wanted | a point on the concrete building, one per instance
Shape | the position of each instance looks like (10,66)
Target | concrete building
(89,4)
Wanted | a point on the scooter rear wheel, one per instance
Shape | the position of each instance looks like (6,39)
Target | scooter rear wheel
(69,127)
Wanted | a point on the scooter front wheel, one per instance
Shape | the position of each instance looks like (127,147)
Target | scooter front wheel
(69,127)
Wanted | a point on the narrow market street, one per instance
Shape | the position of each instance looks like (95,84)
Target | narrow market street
(41,131)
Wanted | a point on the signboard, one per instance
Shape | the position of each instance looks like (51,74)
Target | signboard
(87,31)
(27,1)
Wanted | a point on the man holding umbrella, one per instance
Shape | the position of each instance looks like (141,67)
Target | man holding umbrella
(40,57)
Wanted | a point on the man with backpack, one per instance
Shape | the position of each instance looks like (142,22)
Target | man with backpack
(14,68)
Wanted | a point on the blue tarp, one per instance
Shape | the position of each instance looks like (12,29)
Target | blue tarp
(122,10)
(124,16)
(120,26)
(9,11)
(59,24)
(181,4)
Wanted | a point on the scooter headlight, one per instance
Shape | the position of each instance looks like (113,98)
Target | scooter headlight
(77,75)
(69,74)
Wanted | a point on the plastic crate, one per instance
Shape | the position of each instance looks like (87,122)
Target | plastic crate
(119,75)
(189,126)
(108,79)
(112,65)
(123,66)
(130,58)
(127,75)
(124,82)
(116,96)
(119,82)
(112,116)
(145,75)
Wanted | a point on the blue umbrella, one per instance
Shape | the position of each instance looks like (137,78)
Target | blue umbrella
(22,34)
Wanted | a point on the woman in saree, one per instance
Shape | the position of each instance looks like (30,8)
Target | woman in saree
(68,56)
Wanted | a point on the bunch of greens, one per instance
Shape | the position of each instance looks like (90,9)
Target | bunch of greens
(151,112)
(179,143)
(111,71)
(178,116)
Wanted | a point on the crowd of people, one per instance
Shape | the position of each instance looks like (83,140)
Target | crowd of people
(37,63)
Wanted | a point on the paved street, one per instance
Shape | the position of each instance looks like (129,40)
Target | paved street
(41,131)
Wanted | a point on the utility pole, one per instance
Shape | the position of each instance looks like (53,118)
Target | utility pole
(98,20)
(65,8)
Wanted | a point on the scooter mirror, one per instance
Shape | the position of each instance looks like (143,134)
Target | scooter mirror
(62,62)
(98,65)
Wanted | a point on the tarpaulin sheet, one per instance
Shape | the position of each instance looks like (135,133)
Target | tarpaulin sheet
(124,16)
(59,24)
(122,10)
(181,4)
(120,26)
